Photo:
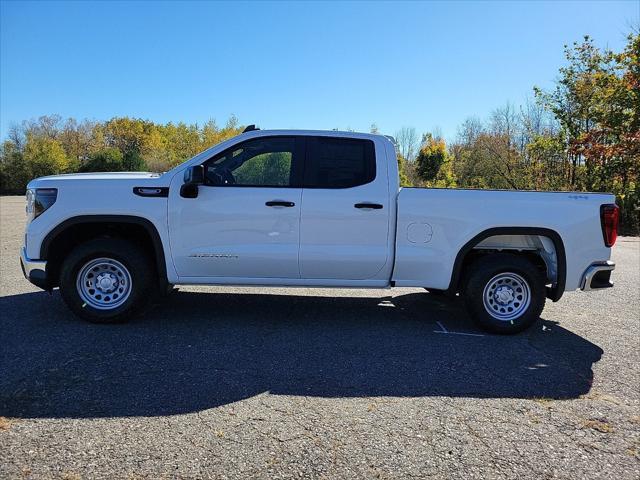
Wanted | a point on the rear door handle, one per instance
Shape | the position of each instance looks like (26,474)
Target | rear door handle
(279,203)
(373,206)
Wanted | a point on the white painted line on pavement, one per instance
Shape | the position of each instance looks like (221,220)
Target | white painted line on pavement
(444,330)
(460,333)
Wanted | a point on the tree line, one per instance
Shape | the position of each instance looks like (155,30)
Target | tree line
(582,135)
(51,145)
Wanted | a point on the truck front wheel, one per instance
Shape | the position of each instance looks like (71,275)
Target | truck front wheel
(504,293)
(106,280)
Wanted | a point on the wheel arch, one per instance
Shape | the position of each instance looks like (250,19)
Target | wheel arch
(91,227)
(554,292)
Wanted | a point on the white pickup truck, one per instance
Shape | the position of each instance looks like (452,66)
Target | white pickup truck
(310,208)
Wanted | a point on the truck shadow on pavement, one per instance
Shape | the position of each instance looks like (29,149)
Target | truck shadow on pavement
(197,351)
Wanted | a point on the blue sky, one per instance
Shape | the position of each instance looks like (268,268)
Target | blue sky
(290,65)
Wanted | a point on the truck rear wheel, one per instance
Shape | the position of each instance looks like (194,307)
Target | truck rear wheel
(106,280)
(504,293)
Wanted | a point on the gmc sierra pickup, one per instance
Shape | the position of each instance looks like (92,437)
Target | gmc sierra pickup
(310,208)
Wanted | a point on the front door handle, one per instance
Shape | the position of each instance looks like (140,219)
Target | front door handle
(279,203)
(373,206)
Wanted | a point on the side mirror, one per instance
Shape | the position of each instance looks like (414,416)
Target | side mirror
(193,176)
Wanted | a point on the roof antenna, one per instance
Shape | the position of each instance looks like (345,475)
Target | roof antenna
(250,128)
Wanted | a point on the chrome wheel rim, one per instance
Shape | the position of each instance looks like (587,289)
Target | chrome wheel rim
(104,283)
(506,296)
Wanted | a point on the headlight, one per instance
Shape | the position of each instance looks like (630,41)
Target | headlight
(39,200)
(31,198)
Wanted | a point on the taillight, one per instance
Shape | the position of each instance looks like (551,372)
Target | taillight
(609,221)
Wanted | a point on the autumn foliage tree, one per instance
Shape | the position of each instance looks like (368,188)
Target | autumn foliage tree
(431,157)
(597,105)
(402,171)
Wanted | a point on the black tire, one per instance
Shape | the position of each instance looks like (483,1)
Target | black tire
(503,273)
(139,268)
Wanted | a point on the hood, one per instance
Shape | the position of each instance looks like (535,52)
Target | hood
(100,176)
(59,180)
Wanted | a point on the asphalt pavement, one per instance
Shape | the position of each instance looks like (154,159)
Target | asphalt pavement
(316,383)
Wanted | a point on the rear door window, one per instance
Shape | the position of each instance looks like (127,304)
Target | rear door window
(339,162)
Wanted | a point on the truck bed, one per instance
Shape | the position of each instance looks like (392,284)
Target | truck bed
(435,224)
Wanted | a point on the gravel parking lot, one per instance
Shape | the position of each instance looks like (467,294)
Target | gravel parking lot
(276,383)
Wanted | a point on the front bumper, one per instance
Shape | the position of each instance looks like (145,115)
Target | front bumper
(597,276)
(34,270)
